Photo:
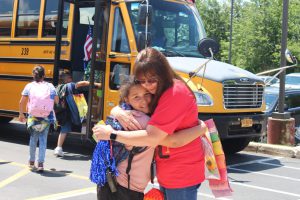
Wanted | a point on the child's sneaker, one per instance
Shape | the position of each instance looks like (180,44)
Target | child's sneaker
(31,165)
(40,167)
(58,152)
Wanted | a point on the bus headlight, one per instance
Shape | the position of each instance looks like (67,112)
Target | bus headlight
(203,99)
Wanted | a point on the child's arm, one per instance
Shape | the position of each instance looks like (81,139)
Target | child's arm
(86,83)
(56,99)
(185,136)
(23,102)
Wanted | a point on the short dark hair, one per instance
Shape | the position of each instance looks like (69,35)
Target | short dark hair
(65,74)
(38,73)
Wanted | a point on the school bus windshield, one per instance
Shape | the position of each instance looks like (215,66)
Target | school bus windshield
(176,28)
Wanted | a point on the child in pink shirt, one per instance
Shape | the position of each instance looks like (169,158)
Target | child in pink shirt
(139,99)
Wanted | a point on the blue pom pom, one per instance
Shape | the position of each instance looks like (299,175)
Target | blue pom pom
(101,162)
(102,159)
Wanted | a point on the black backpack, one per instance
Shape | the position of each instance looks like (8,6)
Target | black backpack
(61,110)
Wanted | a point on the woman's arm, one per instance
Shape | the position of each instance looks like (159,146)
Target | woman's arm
(126,118)
(185,136)
(152,136)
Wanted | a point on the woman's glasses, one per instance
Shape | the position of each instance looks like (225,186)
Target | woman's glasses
(149,81)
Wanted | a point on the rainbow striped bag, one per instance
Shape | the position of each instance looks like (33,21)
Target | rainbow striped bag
(219,185)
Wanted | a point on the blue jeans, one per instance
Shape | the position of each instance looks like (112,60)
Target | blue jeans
(36,136)
(188,193)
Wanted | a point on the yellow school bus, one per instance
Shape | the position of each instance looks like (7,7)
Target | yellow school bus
(53,33)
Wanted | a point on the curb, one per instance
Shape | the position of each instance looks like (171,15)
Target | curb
(274,149)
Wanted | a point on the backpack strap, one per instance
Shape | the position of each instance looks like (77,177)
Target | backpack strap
(132,152)
(61,90)
(69,88)
(130,157)
(152,169)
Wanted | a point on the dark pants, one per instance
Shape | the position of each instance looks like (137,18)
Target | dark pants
(104,193)
(188,193)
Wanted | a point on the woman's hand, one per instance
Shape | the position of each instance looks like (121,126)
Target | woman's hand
(102,132)
(126,118)
(203,127)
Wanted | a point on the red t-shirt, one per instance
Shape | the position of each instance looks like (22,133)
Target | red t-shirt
(176,110)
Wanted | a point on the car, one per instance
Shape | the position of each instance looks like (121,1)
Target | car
(292,81)
(269,80)
(292,105)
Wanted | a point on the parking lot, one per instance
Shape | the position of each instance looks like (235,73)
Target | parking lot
(20,183)
(251,175)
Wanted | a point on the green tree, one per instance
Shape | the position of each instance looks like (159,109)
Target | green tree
(294,29)
(215,18)
(257,25)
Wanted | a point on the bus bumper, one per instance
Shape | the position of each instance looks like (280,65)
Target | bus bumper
(238,125)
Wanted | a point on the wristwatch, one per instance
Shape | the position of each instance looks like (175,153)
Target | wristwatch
(113,136)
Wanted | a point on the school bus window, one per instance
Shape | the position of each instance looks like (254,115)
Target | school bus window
(120,40)
(50,18)
(118,73)
(6,10)
(28,18)
(174,27)
(86,15)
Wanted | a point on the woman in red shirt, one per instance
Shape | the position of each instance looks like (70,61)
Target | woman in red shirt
(180,171)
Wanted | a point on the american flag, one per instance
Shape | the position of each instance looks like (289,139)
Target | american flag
(88,45)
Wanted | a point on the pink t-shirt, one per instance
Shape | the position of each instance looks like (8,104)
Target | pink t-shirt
(176,110)
(140,167)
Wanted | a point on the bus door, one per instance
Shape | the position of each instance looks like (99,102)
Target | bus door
(121,52)
(83,64)
(96,68)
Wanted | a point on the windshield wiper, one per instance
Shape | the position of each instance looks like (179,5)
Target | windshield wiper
(172,53)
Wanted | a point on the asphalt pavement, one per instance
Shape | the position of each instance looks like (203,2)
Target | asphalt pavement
(252,175)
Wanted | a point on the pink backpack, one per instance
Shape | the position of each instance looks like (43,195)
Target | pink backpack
(40,104)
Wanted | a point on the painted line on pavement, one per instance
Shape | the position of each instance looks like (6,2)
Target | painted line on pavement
(68,194)
(255,161)
(283,166)
(271,175)
(14,177)
(14,163)
(67,174)
(265,189)
(264,162)
(212,197)
(48,170)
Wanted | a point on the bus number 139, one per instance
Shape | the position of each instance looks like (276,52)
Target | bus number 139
(25,51)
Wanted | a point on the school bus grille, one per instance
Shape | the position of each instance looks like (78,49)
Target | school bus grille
(242,96)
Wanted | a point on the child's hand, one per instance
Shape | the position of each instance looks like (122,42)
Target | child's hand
(102,132)
(22,117)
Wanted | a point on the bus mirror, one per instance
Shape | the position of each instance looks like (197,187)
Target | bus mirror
(208,47)
(289,57)
(142,41)
(143,14)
